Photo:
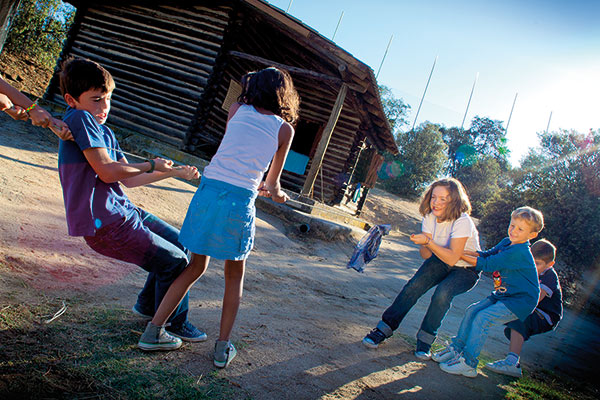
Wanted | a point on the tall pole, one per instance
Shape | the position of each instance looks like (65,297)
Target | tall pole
(469,102)
(510,115)
(289,5)
(384,54)
(425,91)
(548,126)
(338,25)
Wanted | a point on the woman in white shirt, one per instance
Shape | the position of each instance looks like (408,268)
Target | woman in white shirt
(447,231)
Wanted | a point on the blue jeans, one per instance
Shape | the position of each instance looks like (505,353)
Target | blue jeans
(475,326)
(450,281)
(149,242)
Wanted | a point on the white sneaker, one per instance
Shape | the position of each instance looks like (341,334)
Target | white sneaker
(459,367)
(445,354)
(505,368)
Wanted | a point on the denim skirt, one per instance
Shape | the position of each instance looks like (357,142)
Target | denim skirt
(220,221)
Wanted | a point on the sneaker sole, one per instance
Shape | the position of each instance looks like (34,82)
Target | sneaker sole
(369,344)
(224,364)
(158,347)
(452,372)
(189,339)
(503,372)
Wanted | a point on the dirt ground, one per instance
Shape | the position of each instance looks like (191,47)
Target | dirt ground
(303,314)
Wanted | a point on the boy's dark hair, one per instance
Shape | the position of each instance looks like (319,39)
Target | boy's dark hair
(79,75)
(459,201)
(273,90)
(543,250)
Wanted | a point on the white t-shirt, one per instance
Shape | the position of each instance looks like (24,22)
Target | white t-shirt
(442,232)
(250,141)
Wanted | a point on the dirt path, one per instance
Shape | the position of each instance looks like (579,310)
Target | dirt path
(303,314)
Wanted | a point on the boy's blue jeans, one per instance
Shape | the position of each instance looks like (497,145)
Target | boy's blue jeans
(149,242)
(475,326)
(450,281)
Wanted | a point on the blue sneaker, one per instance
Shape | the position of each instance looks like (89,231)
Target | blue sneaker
(187,332)
(374,338)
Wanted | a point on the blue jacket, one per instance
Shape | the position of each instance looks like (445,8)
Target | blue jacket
(516,281)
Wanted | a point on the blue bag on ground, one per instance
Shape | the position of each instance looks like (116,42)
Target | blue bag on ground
(367,247)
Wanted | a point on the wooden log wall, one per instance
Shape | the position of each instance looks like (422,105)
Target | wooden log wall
(161,58)
(249,33)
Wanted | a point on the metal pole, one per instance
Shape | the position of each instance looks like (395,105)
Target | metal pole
(384,54)
(338,25)
(469,102)
(425,91)
(289,5)
(548,126)
(510,115)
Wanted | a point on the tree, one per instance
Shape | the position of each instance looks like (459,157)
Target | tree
(39,29)
(485,138)
(481,180)
(394,108)
(420,160)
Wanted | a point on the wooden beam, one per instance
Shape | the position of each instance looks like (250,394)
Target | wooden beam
(295,70)
(317,160)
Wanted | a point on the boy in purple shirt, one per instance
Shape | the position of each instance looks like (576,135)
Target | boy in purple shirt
(91,168)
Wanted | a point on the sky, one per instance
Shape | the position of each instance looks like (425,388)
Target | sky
(544,52)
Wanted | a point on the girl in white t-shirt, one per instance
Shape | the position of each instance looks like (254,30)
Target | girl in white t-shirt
(447,231)
(220,219)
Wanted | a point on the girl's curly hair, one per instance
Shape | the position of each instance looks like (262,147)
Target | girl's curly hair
(273,90)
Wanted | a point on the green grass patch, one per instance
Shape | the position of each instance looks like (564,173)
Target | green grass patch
(546,385)
(90,352)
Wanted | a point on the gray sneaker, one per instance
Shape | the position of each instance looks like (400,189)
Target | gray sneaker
(224,353)
(156,338)
(505,368)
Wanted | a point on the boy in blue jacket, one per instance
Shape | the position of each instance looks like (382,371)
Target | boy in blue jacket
(546,316)
(515,296)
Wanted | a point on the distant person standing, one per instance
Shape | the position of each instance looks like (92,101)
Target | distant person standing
(447,230)
(19,107)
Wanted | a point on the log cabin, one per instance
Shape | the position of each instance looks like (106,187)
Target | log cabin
(177,66)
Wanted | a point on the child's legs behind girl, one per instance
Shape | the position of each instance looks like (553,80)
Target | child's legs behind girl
(131,241)
(475,326)
(148,301)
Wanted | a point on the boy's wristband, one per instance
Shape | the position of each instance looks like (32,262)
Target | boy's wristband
(428,241)
(31,107)
(152,165)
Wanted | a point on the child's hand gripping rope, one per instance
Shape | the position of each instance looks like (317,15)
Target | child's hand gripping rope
(367,248)
(38,116)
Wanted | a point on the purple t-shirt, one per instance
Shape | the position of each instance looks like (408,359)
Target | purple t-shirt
(90,203)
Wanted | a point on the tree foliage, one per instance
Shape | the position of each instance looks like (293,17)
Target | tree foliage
(561,179)
(39,30)
(420,160)
(486,138)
